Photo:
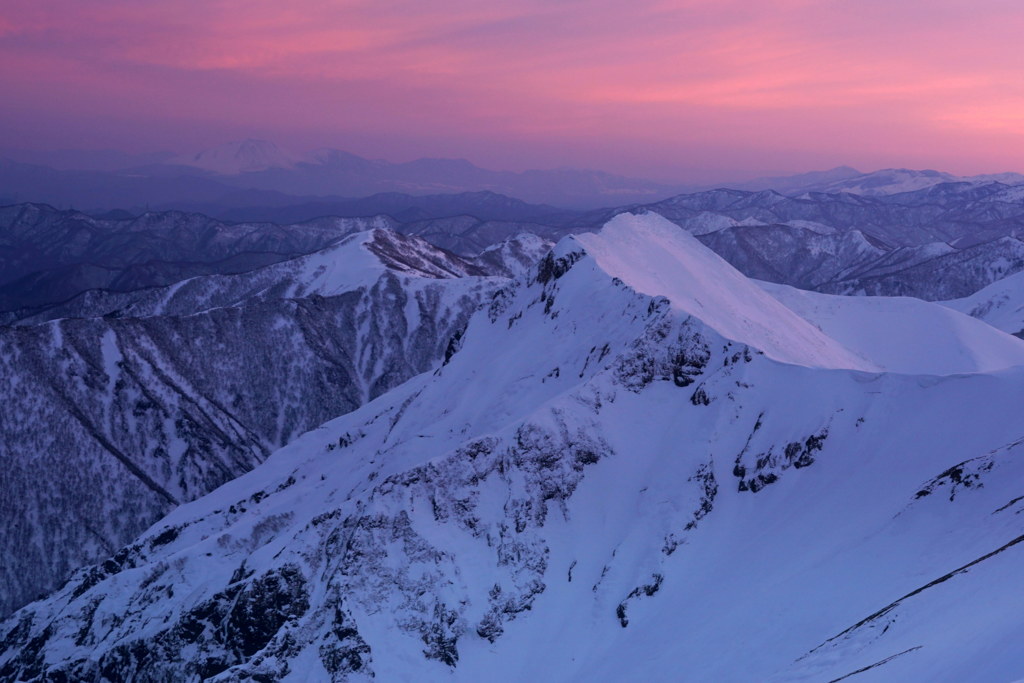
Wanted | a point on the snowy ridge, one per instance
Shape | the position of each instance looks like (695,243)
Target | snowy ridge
(55,256)
(1001,304)
(892,181)
(243,156)
(514,257)
(906,335)
(356,261)
(655,257)
(944,241)
(596,485)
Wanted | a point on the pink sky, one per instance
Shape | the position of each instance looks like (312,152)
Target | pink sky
(685,90)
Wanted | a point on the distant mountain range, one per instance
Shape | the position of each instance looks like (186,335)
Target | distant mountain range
(256,180)
(942,242)
(482,204)
(244,156)
(256,173)
(877,183)
(51,257)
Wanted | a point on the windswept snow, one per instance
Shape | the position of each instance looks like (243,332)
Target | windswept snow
(655,257)
(1001,304)
(902,334)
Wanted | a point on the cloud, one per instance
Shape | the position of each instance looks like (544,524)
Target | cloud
(538,73)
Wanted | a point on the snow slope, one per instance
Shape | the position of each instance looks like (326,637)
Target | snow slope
(902,334)
(1001,304)
(655,257)
(596,485)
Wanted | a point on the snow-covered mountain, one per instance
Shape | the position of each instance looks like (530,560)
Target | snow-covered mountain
(883,182)
(241,156)
(635,464)
(941,242)
(853,263)
(938,243)
(933,272)
(795,255)
(357,260)
(52,259)
(891,181)
(468,236)
(943,213)
(51,256)
(793,184)
(888,181)
(155,397)
(260,165)
(515,257)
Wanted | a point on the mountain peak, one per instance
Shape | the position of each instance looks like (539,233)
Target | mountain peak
(240,156)
(415,256)
(655,257)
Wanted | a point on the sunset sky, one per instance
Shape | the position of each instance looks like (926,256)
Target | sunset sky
(680,90)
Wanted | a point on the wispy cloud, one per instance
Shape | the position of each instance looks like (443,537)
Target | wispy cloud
(663,80)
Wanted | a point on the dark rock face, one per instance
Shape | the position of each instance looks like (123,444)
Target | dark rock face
(221,633)
(344,652)
(253,625)
(966,475)
(768,465)
(551,267)
(665,353)
(648,590)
